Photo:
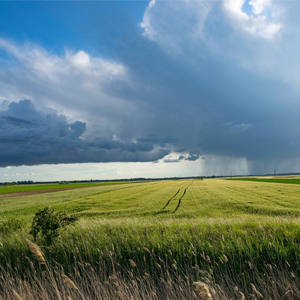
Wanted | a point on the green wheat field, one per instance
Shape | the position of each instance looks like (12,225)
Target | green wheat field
(172,239)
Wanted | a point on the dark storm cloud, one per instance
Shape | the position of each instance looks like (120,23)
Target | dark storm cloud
(31,137)
(190,157)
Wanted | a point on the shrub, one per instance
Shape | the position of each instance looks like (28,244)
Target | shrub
(49,223)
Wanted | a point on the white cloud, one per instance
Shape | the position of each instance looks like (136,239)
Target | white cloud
(260,23)
(73,64)
(170,22)
(258,6)
(81,59)
(146,23)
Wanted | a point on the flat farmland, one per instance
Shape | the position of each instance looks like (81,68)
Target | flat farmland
(48,187)
(286,179)
(158,240)
(213,198)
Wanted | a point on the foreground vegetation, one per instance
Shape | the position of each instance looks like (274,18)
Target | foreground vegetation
(161,240)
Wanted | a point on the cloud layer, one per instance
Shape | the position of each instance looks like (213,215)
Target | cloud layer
(195,78)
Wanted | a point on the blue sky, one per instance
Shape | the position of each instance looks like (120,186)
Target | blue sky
(122,89)
(89,26)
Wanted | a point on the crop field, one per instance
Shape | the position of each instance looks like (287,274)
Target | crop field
(274,180)
(42,187)
(179,239)
(206,199)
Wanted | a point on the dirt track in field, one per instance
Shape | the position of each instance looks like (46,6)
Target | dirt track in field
(28,193)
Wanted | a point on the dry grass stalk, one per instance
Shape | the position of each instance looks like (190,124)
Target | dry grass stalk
(17,295)
(203,290)
(259,295)
(69,283)
(37,252)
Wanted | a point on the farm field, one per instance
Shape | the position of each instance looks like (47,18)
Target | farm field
(207,199)
(42,187)
(153,240)
(287,180)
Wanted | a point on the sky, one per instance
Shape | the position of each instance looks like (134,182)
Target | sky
(128,89)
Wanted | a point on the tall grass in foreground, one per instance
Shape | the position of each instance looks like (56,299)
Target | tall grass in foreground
(87,282)
(171,259)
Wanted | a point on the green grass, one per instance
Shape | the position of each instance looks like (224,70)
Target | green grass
(235,232)
(40,187)
(274,180)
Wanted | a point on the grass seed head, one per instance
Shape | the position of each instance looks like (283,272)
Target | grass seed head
(158,265)
(69,283)
(146,249)
(37,252)
(132,263)
(203,290)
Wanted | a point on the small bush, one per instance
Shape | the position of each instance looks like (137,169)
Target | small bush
(49,223)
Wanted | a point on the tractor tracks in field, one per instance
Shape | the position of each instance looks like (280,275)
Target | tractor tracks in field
(168,202)
(179,200)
